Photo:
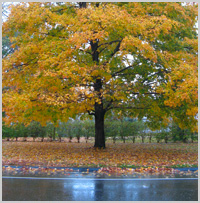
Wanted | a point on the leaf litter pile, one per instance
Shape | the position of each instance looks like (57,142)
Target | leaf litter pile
(119,159)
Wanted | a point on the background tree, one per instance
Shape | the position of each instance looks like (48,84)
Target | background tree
(138,128)
(88,129)
(78,129)
(20,131)
(36,130)
(125,127)
(179,134)
(61,130)
(92,57)
(50,131)
(7,132)
(112,129)
(70,130)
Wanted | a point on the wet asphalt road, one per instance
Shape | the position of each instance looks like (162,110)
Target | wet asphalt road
(99,189)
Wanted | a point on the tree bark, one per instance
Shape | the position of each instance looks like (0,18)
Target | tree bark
(134,139)
(54,133)
(99,111)
(78,139)
(99,126)
(150,136)
(99,117)
(114,140)
(142,139)
(82,4)
(70,139)
(184,140)
(166,139)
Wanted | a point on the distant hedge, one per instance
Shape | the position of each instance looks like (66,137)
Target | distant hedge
(114,129)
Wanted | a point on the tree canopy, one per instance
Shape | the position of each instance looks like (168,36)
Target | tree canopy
(70,58)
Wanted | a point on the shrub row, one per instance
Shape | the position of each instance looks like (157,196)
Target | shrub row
(115,130)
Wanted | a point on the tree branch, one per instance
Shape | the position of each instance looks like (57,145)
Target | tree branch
(109,43)
(63,9)
(116,49)
(144,93)
(25,64)
(90,113)
(47,34)
(130,107)
(114,74)
(85,51)
(107,107)
(127,107)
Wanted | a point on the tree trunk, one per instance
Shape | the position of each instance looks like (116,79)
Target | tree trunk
(166,139)
(184,140)
(99,126)
(78,139)
(149,139)
(98,107)
(114,140)
(70,139)
(54,133)
(82,4)
(142,139)
(134,139)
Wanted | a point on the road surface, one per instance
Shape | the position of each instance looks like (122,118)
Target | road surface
(99,189)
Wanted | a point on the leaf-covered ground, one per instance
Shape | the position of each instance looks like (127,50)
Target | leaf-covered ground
(48,154)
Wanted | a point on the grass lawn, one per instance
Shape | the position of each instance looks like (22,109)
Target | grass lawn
(115,155)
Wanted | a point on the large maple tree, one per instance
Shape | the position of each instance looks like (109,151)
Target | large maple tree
(72,58)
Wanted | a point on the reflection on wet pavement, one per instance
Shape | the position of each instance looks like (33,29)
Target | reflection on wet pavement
(105,184)
(99,190)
